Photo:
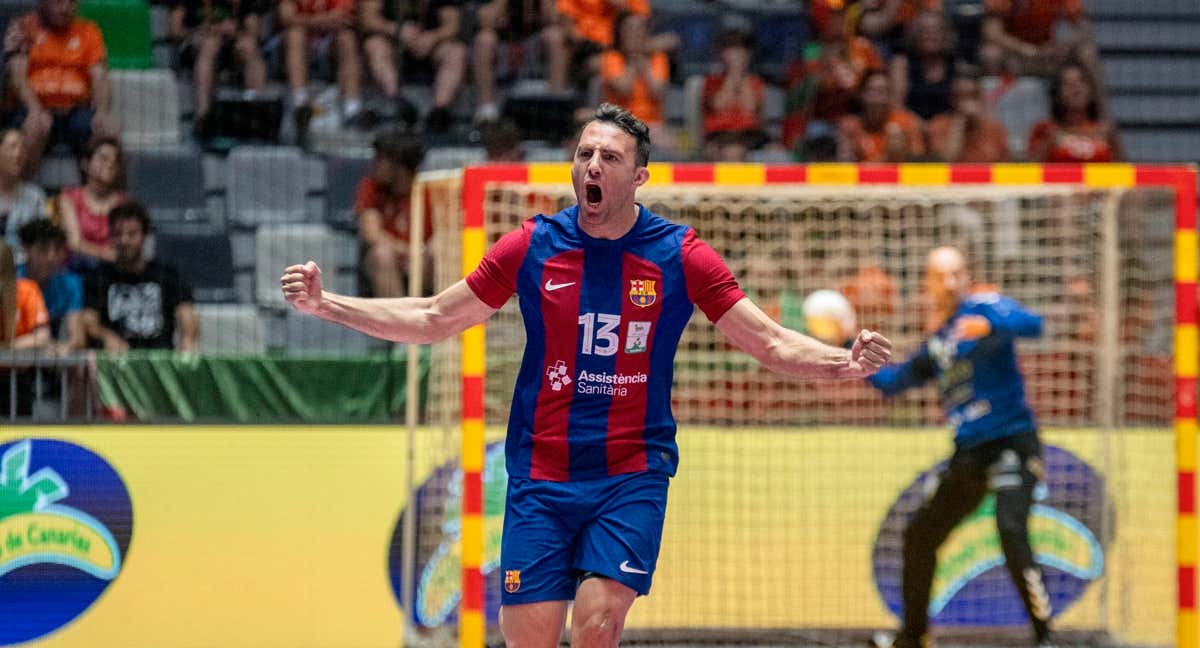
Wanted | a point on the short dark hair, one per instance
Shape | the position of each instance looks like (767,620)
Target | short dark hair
(129,210)
(41,230)
(617,116)
(402,148)
(499,137)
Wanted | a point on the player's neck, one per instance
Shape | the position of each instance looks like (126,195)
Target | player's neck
(611,225)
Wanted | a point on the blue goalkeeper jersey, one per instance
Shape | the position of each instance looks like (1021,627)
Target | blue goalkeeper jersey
(980,386)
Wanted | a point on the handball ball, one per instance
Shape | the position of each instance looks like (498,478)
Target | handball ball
(829,317)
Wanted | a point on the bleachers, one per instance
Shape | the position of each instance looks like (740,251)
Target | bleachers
(230,222)
(203,255)
(278,245)
(126,28)
(230,328)
(267,184)
(170,183)
(147,104)
(343,174)
(304,333)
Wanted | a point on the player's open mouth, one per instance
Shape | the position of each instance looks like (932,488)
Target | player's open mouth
(593,194)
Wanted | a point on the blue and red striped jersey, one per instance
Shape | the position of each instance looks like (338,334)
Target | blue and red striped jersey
(603,319)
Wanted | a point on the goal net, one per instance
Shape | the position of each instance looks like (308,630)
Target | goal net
(784,522)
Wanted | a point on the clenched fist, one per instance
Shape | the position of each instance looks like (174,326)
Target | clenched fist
(870,352)
(301,285)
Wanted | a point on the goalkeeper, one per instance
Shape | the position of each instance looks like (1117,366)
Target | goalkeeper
(996,447)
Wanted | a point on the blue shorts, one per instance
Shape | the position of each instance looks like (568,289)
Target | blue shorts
(555,533)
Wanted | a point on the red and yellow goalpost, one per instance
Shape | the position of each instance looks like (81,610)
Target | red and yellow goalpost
(1181,180)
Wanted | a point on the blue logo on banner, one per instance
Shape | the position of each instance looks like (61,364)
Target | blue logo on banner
(65,525)
(971,585)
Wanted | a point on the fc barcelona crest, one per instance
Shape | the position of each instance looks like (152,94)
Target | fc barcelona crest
(512,580)
(641,292)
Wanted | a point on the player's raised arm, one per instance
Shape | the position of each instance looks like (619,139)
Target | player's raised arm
(420,320)
(789,352)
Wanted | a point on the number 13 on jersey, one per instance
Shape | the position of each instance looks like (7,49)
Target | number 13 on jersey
(601,335)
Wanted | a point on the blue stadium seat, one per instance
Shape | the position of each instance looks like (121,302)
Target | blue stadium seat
(779,39)
(342,176)
(169,182)
(697,30)
(202,255)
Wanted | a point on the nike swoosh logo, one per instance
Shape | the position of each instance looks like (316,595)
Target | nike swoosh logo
(631,570)
(551,286)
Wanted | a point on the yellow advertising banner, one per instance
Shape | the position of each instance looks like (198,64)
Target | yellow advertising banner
(283,536)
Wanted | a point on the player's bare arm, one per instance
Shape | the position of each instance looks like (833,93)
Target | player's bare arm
(417,320)
(789,352)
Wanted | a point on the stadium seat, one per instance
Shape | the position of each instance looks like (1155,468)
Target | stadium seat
(267,184)
(452,157)
(693,109)
(697,30)
(10,9)
(1022,105)
(230,328)
(1149,35)
(1167,109)
(309,334)
(126,28)
(1130,73)
(57,172)
(147,104)
(169,182)
(203,256)
(779,39)
(277,246)
(343,175)
(1160,144)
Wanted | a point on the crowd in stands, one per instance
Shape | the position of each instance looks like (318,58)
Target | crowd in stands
(878,81)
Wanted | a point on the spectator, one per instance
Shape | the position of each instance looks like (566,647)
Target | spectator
(58,69)
(45,247)
(635,77)
(429,34)
(923,74)
(502,141)
(135,303)
(881,132)
(383,206)
(83,210)
(222,33)
(874,293)
(20,201)
(733,101)
(315,24)
(968,134)
(887,21)
(589,27)
(24,323)
(1025,35)
(515,20)
(1075,132)
(595,21)
(821,86)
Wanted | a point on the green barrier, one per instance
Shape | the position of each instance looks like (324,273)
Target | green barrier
(166,386)
(126,28)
